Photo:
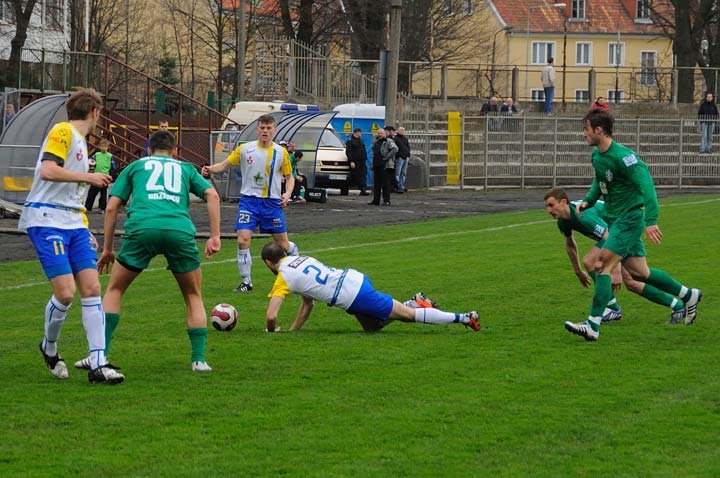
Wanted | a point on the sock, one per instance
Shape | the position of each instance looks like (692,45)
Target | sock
(613,305)
(293,249)
(112,320)
(654,294)
(55,314)
(198,339)
(592,275)
(244,261)
(685,293)
(594,322)
(411,303)
(437,317)
(93,319)
(602,296)
(664,282)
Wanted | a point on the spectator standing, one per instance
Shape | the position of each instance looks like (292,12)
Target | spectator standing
(600,104)
(402,158)
(100,162)
(384,150)
(548,82)
(357,157)
(508,108)
(163,125)
(490,107)
(708,116)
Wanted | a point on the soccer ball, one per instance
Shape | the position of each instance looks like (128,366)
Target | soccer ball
(224,317)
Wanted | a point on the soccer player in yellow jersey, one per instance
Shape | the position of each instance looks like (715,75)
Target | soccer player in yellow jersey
(263,165)
(54,218)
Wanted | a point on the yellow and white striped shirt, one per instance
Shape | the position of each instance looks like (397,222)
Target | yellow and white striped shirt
(262,169)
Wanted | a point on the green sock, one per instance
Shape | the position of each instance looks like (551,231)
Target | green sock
(198,339)
(662,280)
(659,297)
(111,322)
(613,305)
(603,295)
(592,275)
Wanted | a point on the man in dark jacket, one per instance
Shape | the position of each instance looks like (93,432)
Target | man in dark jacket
(384,150)
(708,116)
(401,159)
(357,157)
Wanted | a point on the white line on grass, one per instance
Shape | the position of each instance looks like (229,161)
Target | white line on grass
(392,241)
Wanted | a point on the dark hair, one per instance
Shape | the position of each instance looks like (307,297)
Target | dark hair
(273,252)
(298,154)
(162,140)
(357,129)
(82,103)
(557,193)
(266,119)
(551,59)
(600,119)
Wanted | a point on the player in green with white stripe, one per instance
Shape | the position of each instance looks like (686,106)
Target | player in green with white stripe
(592,225)
(158,222)
(631,208)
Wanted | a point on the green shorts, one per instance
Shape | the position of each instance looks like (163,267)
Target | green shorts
(178,247)
(625,234)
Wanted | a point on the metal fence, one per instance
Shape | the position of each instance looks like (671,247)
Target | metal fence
(542,152)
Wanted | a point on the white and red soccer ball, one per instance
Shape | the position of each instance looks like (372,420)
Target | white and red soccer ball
(224,317)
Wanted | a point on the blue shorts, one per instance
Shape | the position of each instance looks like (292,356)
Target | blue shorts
(370,302)
(63,251)
(265,212)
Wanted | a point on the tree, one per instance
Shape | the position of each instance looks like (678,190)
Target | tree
(22,11)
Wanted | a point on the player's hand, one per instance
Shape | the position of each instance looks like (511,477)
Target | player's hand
(99,180)
(581,207)
(616,279)
(205,171)
(94,242)
(584,278)
(654,233)
(285,199)
(352,165)
(106,259)
(212,246)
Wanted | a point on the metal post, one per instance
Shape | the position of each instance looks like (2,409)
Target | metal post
(522,156)
(487,151)
(180,120)
(328,81)
(444,82)
(462,151)
(637,136)
(427,161)
(675,87)
(392,84)
(43,66)
(564,102)
(147,105)
(680,156)
(555,149)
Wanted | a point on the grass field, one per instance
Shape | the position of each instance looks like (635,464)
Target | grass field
(521,398)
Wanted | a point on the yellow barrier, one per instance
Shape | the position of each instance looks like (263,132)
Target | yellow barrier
(454,147)
(17,184)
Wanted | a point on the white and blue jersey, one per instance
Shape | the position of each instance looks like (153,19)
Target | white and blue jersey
(347,289)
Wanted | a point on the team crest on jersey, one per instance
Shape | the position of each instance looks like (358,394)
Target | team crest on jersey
(79,156)
(259,179)
(609,175)
(630,159)
(250,159)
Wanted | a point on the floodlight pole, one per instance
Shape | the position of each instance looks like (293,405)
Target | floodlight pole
(393,63)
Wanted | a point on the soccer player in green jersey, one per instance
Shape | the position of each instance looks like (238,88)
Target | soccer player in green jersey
(591,225)
(631,208)
(159,222)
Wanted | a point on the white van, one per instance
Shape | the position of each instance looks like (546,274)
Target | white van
(331,165)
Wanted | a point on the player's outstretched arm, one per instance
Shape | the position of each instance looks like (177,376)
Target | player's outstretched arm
(213,243)
(303,313)
(108,253)
(215,168)
(272,312)
(51,171)
(572,252)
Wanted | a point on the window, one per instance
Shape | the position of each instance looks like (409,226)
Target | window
(541,51)
(642,10)
(648,62)
(616,54)
(537,95)
(448,7)
(582,96)
(612,94)
(582,53)
(469,8)
(578,9)
(7,11)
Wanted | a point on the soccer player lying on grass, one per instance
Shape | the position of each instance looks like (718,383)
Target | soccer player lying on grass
(347,289)
(631,209)
(158,222)
(591,225)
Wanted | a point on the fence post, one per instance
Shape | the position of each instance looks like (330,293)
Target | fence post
(462,151)
(43,66)
(680,161)
(675,87)
(427,161)
(64,72)
(592,81)
(522,156)
(637,137)
(515,83)
(555,151)
(291,73)
(328,81)
(487,150)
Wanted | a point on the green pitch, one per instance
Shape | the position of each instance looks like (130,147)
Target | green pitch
(521,398)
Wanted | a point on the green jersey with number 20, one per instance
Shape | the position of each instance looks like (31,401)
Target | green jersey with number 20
(160,187)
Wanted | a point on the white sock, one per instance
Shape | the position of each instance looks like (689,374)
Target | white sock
(244,262)
(683,292)
(613,301)
(93,318)
(293,249)
(437,317)
(595,320)
(411,303)
(55,314)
